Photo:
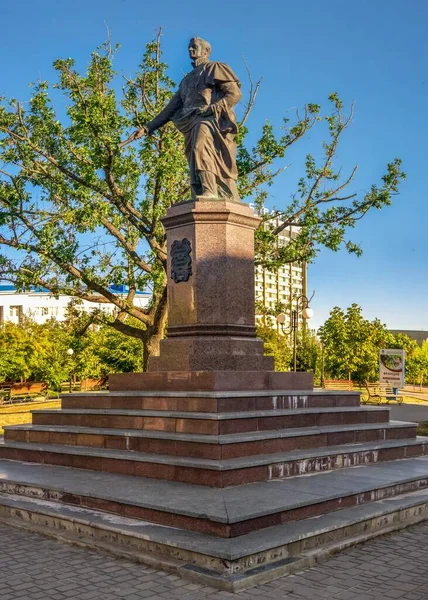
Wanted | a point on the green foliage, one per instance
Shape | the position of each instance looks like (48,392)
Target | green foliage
(34,352)
(421,361)
(308,355)
(80,211)
(117,353)
(280,346)
(321,207)
(276,345)
(416,358)
(352,343)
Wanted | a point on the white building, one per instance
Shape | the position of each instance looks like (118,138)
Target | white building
(41,306)
(283,287)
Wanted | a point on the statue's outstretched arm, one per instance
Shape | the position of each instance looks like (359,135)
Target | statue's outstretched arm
(166,114)
(163,117)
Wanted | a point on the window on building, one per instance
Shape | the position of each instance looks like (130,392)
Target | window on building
(15,312)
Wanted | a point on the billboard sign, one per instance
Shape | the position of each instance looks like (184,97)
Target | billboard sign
(391,367)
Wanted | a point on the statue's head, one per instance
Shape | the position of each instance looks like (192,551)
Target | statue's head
(199,48)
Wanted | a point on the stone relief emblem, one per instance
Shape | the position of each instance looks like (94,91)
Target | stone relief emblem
(181,261)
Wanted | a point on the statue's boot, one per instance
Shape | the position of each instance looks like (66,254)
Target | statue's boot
(209,187)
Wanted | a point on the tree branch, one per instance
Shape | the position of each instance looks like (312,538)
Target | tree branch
(129,330)
(55,163)
(252,95)
(126,245)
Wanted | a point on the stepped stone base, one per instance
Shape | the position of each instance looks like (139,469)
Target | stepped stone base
(50,500)
(202,471)
(214,402)
(217,474)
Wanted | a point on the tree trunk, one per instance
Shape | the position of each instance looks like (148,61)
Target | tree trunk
(154,333)
(151,346)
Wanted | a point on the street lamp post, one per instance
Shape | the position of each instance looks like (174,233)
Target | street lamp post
(302,304)
(70,353)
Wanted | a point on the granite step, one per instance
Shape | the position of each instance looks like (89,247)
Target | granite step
(225,513)
(77,447)
(228,472)
(211,401)
(210,423)
(217,447)
(230,564)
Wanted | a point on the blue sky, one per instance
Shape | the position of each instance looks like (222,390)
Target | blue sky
(374,52)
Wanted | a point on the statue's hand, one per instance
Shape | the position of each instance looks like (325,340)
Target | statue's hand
(136,135)
(139,133)
(204,111)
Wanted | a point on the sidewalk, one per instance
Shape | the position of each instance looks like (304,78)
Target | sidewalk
(39,568)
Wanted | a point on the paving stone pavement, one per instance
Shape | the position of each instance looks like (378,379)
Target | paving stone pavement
(35,567)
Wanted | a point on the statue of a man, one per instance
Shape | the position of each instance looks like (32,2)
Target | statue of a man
(202,109)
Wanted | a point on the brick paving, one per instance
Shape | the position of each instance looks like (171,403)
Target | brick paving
(34,567)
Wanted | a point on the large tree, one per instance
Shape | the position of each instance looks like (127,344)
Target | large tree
(351,347)
(352,343)
(80,211)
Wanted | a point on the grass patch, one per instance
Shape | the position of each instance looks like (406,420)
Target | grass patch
(422,428)
(412,400)
(18,414)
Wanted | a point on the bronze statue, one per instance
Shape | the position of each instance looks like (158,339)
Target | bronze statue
(202,109)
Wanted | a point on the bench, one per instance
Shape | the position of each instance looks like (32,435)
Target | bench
(87,385)
(377,391)
(20,392)
(4,393)
(339,384)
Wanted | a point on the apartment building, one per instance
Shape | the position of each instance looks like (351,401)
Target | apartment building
(282,287)
(40,305)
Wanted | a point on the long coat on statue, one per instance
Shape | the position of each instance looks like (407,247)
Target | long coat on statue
(210,140)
